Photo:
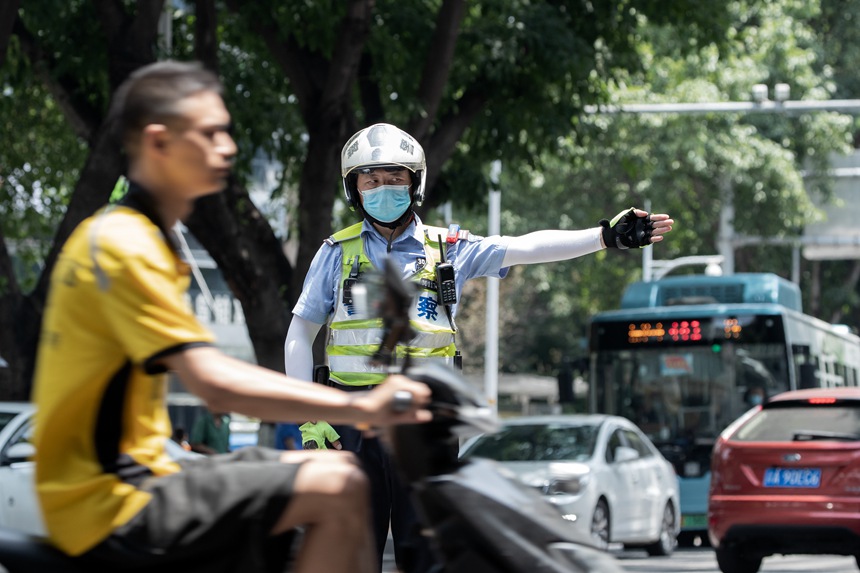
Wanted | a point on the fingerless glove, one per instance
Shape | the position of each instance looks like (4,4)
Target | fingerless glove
(627,231)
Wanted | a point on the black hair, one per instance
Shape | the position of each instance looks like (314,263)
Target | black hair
(151,94)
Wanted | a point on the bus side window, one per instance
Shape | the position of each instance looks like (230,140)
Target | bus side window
(808,375)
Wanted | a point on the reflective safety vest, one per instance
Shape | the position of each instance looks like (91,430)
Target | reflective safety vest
(354,336)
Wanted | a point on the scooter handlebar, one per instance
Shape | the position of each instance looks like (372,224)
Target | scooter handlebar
(402,401)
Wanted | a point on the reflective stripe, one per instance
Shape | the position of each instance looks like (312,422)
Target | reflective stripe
(358,379)
(350,367)
(359,364)
(373,337)
(402,351)
(351,370)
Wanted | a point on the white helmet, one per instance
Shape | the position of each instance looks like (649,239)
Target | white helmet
(382,145)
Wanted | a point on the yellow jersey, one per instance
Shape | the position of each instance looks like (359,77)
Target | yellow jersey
(116,304)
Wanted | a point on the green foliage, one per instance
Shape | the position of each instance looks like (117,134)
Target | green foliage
(535,63)
(838,33)
(264,109)
(522,73)
(680,164)
(40,161)
(70,36)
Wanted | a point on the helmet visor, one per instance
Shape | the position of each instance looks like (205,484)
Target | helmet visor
(388,167)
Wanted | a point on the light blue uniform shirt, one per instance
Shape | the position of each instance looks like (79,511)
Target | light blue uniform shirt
(472,257)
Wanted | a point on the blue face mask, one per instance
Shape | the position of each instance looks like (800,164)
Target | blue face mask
(386,203)
(756,400)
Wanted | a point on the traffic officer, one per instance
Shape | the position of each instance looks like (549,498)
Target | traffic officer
(384,174)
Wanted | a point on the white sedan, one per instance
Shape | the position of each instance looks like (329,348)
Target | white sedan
(600,471)
(19,507)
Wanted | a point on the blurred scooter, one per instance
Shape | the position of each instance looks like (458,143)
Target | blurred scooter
(478,516)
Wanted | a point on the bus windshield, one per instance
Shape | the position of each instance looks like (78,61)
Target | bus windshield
(683,397)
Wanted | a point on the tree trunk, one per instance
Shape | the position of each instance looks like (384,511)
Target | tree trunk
(251,258)
(22,315)
(8,15)
(13,323)
(241,241)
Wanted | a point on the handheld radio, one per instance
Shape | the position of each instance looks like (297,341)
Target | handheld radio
(350,282)
(447,288)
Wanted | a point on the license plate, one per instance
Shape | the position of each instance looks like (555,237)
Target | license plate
(694,521)
(792,477)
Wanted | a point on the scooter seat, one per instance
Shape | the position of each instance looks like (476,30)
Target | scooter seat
(24,553)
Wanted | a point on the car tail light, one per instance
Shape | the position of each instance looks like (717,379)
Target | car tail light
(819,401)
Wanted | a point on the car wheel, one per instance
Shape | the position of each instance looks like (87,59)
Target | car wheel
(600,525)
(665,544)
(731,561)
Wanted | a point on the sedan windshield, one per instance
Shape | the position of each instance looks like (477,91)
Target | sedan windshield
(537,443)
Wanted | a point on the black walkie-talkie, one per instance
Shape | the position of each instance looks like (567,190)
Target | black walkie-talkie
(445,284)
(350,282)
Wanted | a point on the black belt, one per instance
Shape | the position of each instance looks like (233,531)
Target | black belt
(348,388)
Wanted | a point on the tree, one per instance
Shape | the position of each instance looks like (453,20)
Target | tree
(472,81)
(81,98)
(681,165)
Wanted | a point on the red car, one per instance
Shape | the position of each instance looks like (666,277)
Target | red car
(786,480)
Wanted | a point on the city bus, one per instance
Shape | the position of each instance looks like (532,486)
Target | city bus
(685,356)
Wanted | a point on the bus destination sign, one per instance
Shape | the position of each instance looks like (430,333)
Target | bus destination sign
(687,330)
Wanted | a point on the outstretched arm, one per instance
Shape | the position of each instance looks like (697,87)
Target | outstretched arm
(556,245)
(550,245)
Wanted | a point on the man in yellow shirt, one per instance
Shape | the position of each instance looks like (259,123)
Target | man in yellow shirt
(116,322)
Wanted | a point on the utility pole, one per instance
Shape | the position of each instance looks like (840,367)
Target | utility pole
(725,246)
(491,350)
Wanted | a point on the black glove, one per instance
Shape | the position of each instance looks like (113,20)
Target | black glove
(627,231)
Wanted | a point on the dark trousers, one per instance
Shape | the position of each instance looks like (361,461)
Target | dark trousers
(391,503)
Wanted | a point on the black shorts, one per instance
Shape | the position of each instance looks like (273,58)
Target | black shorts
(214,516)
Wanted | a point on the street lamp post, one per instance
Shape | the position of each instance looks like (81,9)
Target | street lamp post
(759,104)
(788,107)
(491,351)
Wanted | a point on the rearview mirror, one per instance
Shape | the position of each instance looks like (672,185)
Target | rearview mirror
(625,454)
(20,452)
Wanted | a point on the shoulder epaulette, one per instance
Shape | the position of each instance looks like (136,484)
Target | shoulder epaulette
(452,234)
(351,232)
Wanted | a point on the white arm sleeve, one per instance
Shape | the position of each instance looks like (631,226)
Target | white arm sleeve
(299,348)
(548,246)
